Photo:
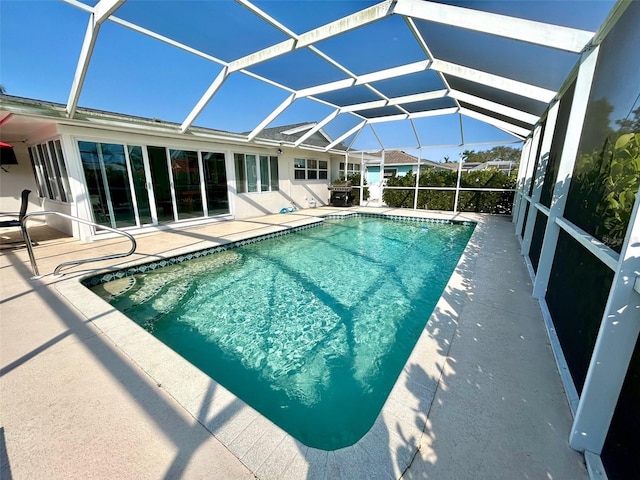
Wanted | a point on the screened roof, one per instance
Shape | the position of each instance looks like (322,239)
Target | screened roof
(369,75)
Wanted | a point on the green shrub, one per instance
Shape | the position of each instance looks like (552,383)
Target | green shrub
(481,202)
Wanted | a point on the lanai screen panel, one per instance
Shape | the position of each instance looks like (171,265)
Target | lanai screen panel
(377,51)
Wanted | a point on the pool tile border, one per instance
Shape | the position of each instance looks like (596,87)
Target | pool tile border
(386,451)
(95,280)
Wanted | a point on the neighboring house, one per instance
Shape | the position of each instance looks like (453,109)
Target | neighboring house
(395,163)
(139,173)
(505,166)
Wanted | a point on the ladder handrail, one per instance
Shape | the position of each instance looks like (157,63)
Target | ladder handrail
(32,258)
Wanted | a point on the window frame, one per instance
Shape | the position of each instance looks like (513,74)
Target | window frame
(264,182)
(50,170)
(352,169)
(310,169)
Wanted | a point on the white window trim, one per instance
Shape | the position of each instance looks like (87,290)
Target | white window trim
(259,173)
(306,170)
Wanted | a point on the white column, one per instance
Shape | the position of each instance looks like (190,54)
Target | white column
(382,175)
(415,196)
(538,179)
(362,172)
(528,175)
(565,170)
(614,347)
(517,197)
(457,195)
(78,187)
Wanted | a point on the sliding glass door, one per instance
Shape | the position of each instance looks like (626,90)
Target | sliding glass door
(215,183)
(131,185)
(186,182)
(160,183)
(108,183)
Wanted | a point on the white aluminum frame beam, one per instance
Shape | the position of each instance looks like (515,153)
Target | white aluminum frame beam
(317,127)
(523,204)
(545,151)
(545,34)
(385,74)
(418,97)
(345,135)
(102,11)
(495,81)
(434,113)
(345,24)
(565,170)
(272,116)
(495,122)
(205,99)
(614,347)
(494,107)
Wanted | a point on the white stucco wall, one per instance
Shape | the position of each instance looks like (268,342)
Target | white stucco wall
(14,180)
(304,193)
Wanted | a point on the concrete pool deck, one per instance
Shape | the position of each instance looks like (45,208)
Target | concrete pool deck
(85,393)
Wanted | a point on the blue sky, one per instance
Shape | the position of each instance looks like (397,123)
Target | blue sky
(131,73)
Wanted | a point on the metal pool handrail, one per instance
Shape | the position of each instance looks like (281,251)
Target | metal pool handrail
(56,271)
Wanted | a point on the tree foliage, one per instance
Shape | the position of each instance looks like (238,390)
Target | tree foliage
(607,177)
(496,153)
(355,183)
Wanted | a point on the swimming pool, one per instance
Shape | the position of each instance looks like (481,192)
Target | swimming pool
(310,329)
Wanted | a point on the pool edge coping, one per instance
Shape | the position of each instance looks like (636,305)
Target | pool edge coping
(271,452)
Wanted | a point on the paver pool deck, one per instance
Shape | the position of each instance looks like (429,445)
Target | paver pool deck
(86,393)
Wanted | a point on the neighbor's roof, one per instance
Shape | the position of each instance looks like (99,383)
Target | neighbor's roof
(398,157)
(357,65)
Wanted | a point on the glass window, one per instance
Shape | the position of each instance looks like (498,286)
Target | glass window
(118,189)
(264,173)
(310,169)
(64,176)
(94,178)
(215,183)
(299,169)
(37,172)
(140,184)
(57,176)
(52,193)
(107,176)
(255,174)
(50,171)
(252,173)
(275,182)
(352,169)
(609,162)
(241,176)
(186,181)
(161,183)
(323,169)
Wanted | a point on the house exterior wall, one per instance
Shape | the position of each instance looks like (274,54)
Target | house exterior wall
(14,180)
(302,192)
(373,171)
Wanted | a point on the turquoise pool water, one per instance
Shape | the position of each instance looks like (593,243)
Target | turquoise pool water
(311,329)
